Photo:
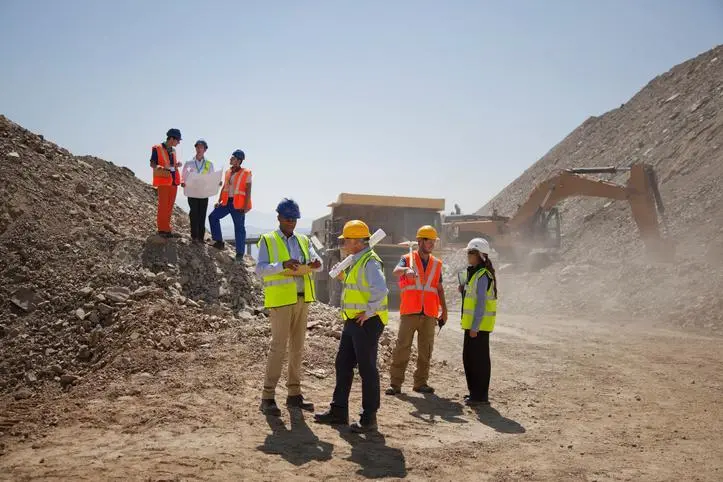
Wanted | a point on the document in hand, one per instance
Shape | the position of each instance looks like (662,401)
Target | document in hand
(202,185)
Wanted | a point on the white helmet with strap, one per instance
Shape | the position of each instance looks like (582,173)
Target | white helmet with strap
(480,245)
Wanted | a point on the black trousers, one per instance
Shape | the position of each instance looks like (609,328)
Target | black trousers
(477,364)
(358,347)
(198,206)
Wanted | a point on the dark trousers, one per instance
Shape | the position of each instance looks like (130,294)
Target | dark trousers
(198,207)
(477,364)
(358,347)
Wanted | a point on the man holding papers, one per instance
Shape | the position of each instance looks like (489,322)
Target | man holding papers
(193,171)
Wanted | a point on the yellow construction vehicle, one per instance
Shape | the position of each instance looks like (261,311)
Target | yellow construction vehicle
(536,224)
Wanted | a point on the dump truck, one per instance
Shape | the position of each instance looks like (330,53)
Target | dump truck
(399,217)
(536,226)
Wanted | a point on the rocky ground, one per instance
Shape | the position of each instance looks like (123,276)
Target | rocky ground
(571,400)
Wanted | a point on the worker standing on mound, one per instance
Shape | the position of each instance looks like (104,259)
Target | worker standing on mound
(198,206)
(235,199)
(166,179)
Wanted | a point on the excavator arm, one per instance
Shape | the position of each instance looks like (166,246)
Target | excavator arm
(641,191)
(564,185)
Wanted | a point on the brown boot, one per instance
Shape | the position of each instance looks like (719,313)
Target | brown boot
(269,407)
(297,401)
(366,424)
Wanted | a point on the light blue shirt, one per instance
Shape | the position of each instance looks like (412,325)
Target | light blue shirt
(377,283)
(265,268)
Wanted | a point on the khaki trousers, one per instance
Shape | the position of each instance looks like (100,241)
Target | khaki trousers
(424,326)
(288,327)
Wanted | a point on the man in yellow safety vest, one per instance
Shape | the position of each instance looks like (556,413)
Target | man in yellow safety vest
(286,261)
(365,312)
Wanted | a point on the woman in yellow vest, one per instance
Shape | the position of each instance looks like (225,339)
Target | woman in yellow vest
(364,308)
(479,309)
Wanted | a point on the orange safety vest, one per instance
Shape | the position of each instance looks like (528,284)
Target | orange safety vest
(421,294)
(239,199)
(163,177)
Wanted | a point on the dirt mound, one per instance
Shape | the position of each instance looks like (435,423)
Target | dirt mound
(86,284)
(675,124)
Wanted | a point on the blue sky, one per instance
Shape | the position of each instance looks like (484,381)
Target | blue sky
(441,99)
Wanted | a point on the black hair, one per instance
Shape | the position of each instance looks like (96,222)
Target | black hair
(487,263)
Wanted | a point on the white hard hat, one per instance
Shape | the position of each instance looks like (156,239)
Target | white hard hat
(480,245)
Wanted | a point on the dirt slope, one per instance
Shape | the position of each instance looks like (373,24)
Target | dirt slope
(86,284)
(674,123)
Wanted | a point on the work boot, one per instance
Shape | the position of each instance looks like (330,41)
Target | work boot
(333,416)
(239,258)
(366,424)
(423,389)
(269,407)
(297,401)
(392,390)
(164,234)
(473,402)
(219,245)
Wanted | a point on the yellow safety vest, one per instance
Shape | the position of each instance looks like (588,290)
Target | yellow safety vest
(206,166)
(469,303)
(356,293)
(281,290)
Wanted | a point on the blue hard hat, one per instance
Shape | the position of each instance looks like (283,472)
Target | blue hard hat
(202,142)
(175,133)
(239,154)
(289,209)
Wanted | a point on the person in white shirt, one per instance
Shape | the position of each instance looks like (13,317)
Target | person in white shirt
(198,206)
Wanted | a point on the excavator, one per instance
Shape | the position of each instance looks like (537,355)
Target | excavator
(536,224)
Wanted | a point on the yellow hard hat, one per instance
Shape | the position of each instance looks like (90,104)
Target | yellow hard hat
(355,230)
(427,232)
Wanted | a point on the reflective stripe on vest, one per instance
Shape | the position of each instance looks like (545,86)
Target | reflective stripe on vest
(281,290)
(469,303)
(239,197)
(163,177)
(422,295)
(357,291)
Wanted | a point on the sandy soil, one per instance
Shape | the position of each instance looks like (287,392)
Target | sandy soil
(572,400)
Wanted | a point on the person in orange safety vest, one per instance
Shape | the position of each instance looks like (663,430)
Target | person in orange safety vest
(166,179)
(234,199)
(422,296)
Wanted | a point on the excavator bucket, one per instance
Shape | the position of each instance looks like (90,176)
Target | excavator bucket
(647,206)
